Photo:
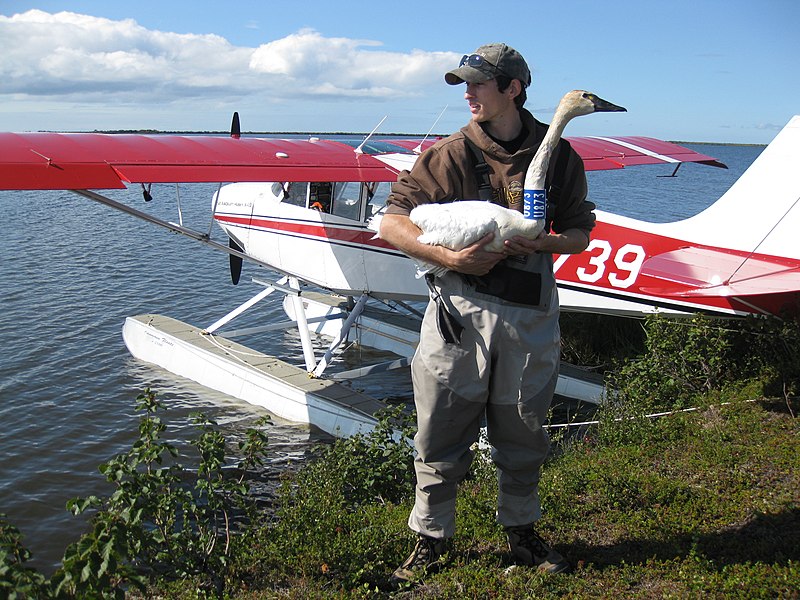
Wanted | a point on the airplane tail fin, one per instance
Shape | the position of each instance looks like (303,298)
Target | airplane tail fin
(760,213)
(746,246)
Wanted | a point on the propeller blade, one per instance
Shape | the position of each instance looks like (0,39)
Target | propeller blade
(236,130)
(235,261)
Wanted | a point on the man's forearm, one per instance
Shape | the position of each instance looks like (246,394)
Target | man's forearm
(571,241)
(401,233)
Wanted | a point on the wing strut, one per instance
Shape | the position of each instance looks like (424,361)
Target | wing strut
(175,228)
(674,173)
(354,314)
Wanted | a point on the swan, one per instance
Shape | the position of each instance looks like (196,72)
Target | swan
(456,225)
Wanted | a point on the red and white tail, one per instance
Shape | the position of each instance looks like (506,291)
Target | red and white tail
(740,255)
(760,213)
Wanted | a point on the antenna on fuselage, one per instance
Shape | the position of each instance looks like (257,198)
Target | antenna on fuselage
(361,145)
(418,149)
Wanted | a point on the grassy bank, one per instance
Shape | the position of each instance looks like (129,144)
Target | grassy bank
(700,503)
(697,503)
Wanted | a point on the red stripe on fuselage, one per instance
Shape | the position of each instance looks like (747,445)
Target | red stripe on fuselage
(322,231)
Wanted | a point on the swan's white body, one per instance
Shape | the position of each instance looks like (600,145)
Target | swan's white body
(457,225)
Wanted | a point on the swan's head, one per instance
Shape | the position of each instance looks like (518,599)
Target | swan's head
(580,102)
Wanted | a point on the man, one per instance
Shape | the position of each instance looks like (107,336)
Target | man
(490,342)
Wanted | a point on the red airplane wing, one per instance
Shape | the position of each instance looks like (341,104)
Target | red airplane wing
(702,271)
(599,153)
(105,161)
(102,161)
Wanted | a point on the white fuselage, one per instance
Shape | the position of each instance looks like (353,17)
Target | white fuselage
(334,252)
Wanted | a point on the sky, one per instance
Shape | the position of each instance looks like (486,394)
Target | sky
(699,70)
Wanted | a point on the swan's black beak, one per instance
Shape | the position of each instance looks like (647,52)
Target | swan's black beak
(601,105)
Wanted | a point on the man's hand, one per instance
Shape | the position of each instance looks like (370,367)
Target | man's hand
(399,231)
(520,246)
(572,241)
(474,260)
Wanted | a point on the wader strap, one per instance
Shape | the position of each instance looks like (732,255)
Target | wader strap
(481,172)
(449,327)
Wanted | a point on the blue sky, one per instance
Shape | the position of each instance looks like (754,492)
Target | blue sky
(701,70)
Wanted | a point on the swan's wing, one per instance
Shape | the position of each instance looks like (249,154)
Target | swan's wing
(424,268)
(456,224)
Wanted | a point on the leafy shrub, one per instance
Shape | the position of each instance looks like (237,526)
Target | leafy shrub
(682,359)
(163,520)
(337,514)
(16,580)
(374,467)
(771,352)
(687,362)
(599,341)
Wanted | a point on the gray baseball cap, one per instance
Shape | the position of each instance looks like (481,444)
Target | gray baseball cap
(487,62)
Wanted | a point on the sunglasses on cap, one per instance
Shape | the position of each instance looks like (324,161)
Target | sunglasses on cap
(477,61)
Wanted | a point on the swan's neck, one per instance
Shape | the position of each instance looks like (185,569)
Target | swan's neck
(537,171)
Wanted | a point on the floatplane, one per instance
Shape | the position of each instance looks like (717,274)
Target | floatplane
(302,209)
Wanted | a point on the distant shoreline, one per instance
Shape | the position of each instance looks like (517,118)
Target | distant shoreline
(716,143)
(332,133)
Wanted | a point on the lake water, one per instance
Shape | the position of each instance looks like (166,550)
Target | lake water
(72,270)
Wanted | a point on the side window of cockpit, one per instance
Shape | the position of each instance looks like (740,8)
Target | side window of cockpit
(319,197)
(297,193)
(377,193)
(347,199)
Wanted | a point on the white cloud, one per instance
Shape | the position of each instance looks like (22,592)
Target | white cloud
(68,54)
(72,56)
(350,67)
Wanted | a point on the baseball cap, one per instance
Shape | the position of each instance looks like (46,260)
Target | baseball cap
(487,62)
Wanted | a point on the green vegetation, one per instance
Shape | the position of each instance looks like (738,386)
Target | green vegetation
(699,503)
(162,521)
